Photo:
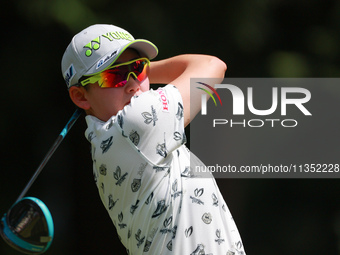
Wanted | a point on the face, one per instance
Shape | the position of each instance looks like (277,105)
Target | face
(103,103)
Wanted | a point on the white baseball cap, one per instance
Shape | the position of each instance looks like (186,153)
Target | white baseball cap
(97,47)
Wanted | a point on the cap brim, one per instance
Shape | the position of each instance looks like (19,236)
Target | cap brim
(144,47)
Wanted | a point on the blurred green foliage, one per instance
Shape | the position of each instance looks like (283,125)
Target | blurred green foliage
(263,38)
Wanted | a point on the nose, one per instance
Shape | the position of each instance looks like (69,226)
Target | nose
(132,85)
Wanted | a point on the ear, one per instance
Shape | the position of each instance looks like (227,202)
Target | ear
(78,97)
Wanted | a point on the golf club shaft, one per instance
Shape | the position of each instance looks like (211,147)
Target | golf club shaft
(60,138)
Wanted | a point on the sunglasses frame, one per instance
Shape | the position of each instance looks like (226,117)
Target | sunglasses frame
(96,77)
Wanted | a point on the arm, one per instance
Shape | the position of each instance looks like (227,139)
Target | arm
(178,71)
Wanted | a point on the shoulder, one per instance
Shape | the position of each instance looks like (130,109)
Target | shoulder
(152,104)
(152,111)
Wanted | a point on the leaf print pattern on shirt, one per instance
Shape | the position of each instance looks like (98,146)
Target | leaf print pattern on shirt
(106,144)
(150,117)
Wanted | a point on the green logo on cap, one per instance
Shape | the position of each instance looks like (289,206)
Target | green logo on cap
(93,45)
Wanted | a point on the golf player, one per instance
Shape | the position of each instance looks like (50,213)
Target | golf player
(141,166)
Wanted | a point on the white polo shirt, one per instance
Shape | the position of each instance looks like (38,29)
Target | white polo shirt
(147,184)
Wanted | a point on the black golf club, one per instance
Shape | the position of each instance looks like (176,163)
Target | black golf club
(60,138)
(28,225)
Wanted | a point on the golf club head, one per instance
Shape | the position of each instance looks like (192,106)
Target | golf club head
(28,226)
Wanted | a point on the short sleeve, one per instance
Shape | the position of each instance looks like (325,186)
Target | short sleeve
(154,123)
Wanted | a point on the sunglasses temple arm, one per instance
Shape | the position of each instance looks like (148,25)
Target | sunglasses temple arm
(60,138)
